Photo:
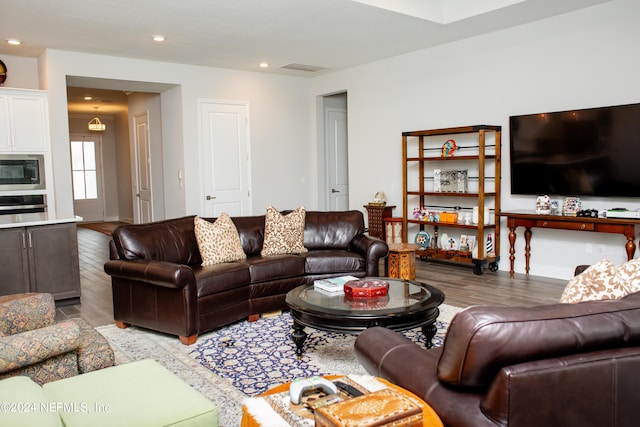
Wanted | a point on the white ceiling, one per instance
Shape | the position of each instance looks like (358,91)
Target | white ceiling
(239,34)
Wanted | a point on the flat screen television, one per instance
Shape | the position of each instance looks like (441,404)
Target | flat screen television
(589,152)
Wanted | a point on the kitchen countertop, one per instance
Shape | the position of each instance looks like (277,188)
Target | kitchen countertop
(31,219)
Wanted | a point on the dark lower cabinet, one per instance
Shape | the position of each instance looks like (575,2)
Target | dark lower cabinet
(41,258)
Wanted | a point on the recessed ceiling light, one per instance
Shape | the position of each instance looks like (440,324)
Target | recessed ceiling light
(159,38)
(14,42)
(264,64)
(88,98)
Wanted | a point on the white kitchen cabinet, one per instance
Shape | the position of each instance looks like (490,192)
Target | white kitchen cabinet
(24,121)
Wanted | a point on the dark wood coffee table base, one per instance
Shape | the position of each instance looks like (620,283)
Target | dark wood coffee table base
(299,336)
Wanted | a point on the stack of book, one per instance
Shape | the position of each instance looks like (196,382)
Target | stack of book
(333,285)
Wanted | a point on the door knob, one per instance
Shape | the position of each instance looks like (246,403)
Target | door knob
(210,197)
(333,190)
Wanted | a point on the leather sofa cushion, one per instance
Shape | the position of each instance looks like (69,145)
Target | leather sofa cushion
(171,240)
(481,339)
(332,230)
(332,261)
(275,267)
(212,279)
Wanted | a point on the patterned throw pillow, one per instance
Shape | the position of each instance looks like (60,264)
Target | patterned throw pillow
(219,241)
(283,234)
(629,272)
(600,281)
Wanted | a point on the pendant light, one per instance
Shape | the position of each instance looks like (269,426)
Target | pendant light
(95,124)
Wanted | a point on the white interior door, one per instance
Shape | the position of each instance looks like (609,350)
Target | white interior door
(87,177)
(337,159)
(143,207)
(225,165)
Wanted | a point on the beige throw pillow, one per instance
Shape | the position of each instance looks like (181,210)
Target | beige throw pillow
(600,281)
(283,234)
(629,273)
(219,242)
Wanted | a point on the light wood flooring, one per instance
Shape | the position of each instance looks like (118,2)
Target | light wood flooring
(461,287)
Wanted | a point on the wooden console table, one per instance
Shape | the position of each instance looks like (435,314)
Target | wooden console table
(529,220)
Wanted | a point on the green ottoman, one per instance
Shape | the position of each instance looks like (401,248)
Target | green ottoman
(23,403)
(135,394)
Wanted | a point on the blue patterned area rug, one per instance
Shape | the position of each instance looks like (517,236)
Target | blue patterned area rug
(256,355)
(246,358)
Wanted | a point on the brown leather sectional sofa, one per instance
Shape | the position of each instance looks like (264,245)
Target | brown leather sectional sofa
(553,365)
(158,281)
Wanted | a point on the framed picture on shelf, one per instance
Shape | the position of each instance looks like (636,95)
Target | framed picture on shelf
(450,181)
(464,243)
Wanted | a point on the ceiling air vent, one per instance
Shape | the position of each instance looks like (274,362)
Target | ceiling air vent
(302,67)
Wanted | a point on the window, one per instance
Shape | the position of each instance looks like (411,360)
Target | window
(84,172)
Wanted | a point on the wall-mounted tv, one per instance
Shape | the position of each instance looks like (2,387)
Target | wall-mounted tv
(589,152)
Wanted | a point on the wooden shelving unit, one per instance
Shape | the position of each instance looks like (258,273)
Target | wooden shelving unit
(478,153)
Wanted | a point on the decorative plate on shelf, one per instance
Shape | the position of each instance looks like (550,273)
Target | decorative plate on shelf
(422,239)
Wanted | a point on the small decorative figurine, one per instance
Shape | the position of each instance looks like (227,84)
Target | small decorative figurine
(490,245)
(379,199)
(444,241)
(571,206)
(448,148)
(543,205)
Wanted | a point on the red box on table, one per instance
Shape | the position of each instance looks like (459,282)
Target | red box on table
(366,288)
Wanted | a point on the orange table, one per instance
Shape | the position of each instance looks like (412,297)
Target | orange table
(429,416)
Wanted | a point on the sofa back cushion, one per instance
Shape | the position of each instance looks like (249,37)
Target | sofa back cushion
(174,240)
(332,229)
(171,240)
(251,231)
(483,339)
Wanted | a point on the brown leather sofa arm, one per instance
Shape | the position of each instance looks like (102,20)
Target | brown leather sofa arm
(372,249)
(583,389)
(387,354)
(161,273)
(384,353)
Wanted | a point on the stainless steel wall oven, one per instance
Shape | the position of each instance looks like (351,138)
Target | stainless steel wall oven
(17,204)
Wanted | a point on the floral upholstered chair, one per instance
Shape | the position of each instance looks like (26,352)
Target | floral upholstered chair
(33,345)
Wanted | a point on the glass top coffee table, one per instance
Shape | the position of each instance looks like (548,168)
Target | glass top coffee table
(408,304)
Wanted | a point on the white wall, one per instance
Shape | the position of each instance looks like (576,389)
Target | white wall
(579,60)
(582,59)
(280,125)
(22,72)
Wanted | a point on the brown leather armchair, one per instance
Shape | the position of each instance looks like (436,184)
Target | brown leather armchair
(551,365)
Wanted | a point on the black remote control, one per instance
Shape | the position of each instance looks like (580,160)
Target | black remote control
(349,389)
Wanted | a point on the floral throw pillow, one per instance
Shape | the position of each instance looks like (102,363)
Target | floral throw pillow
(219,242)
(629,272)
(600,281)
(283,234)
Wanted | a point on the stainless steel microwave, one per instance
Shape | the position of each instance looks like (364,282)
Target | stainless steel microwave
(22,172)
